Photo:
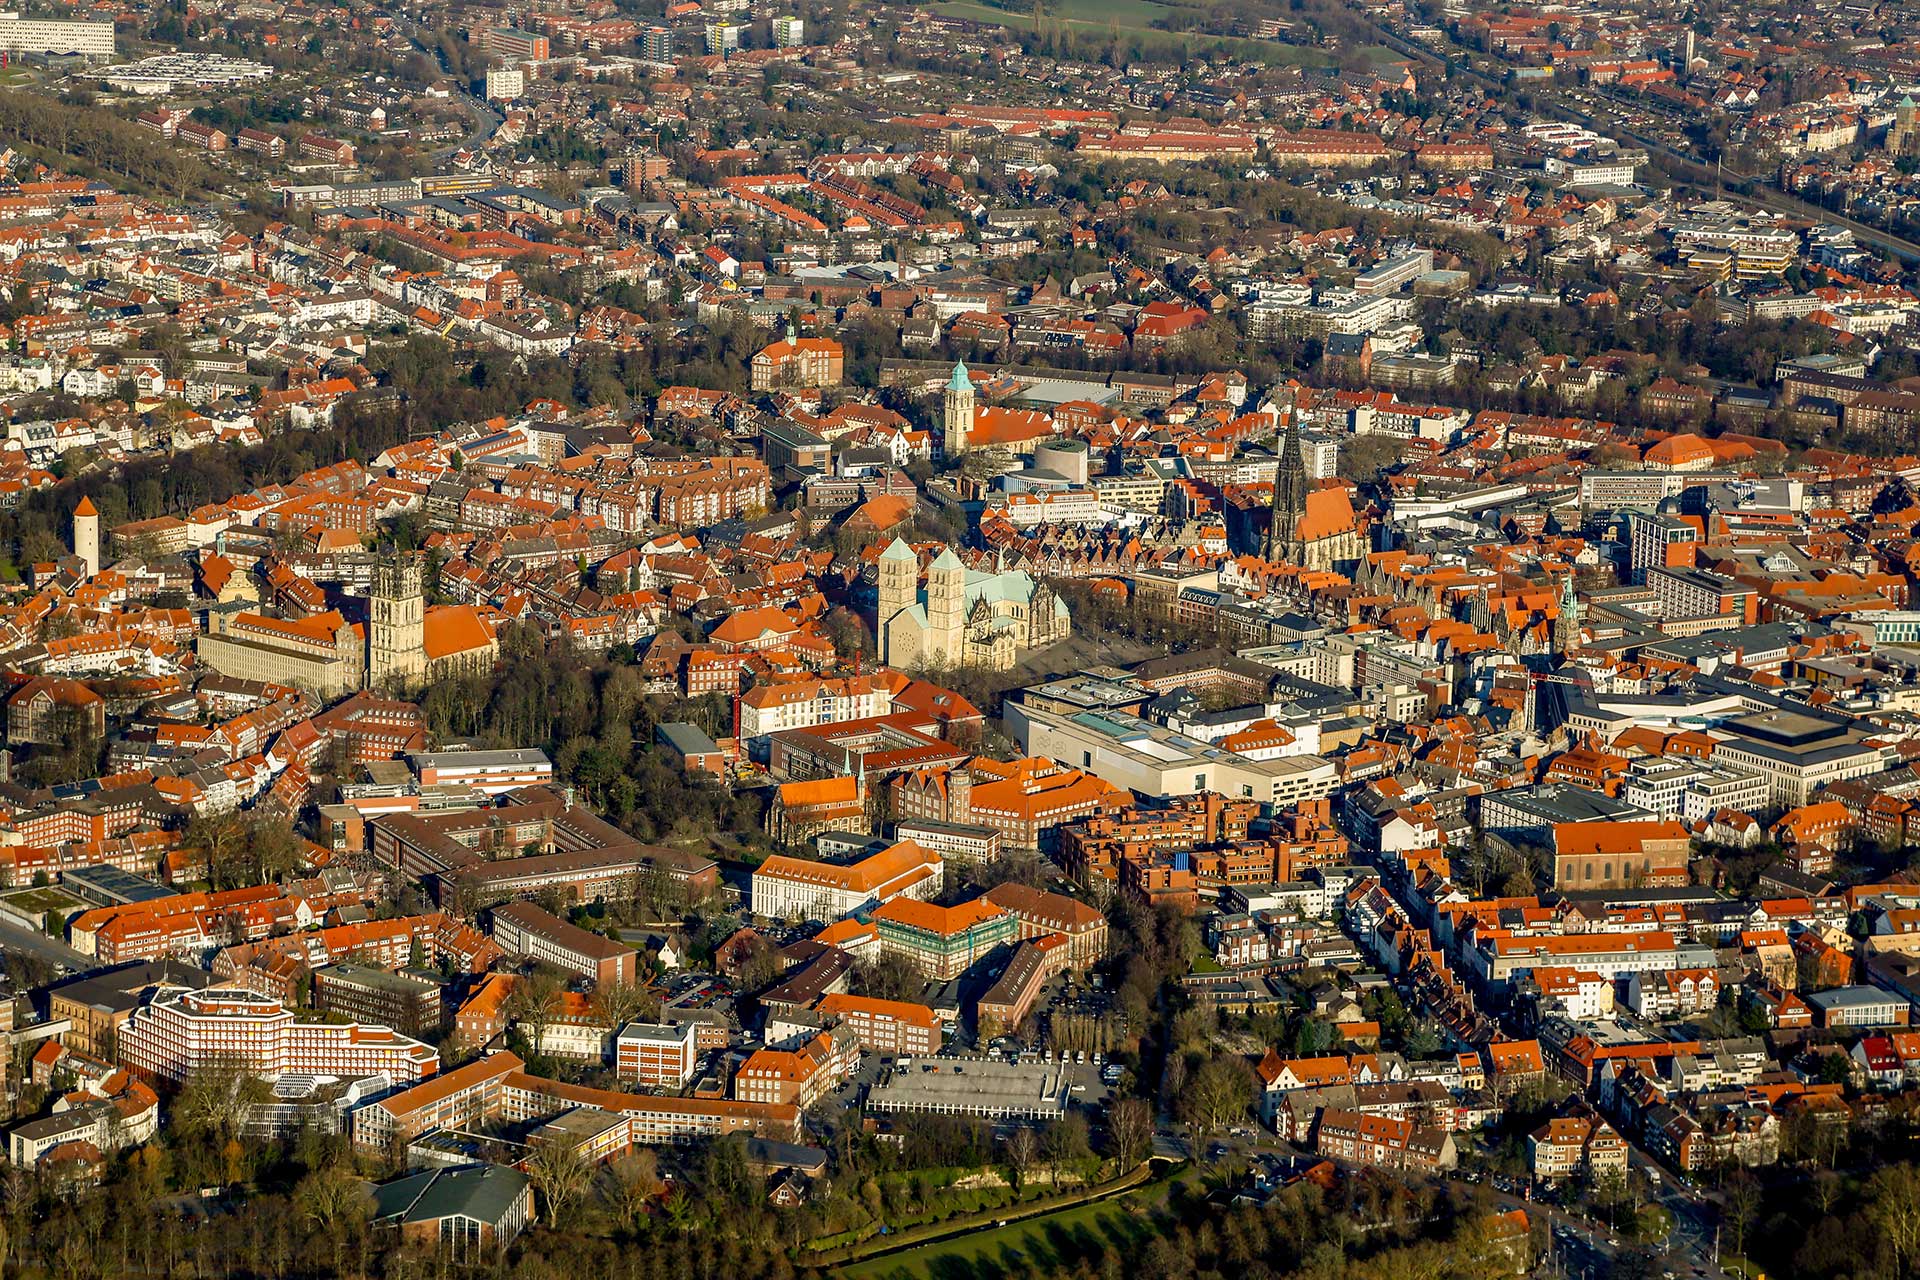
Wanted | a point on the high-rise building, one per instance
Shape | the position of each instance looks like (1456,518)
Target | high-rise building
(788,32)
(656,44)
(516,45)
(93,40)
(504,84)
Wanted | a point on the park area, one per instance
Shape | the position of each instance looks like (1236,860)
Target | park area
(1116,1222)
(1133,18)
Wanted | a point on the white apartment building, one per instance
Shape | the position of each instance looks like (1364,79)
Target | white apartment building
(53,35)
(182,1031)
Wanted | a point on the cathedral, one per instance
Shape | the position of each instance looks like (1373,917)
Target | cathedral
(1313,528)
(409,644)
(964,617)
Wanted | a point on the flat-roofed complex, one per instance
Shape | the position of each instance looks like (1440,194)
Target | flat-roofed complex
(359,991)
(493,773)
(1797,753)
(988,1090)
(1129,752)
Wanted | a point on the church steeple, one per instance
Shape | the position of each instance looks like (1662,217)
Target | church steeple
(956,419)
(1289,495)
(1566,622)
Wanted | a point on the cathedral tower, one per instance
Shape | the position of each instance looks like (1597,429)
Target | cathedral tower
(946,609)
(898,589)
(396,624)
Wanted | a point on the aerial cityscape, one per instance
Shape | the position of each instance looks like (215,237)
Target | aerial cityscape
(1079,639)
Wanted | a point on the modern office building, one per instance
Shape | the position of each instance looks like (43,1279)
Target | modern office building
(92,40)
(182,1031)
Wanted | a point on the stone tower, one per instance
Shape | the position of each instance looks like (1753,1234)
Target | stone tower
(1566,622)
(946,609)
(86,535)
(956,421)
(899,586)
(1289,497)
(1903,135)
(396,624)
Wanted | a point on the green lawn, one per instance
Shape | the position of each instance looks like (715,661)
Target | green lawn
(1380,55)
(1017,1248)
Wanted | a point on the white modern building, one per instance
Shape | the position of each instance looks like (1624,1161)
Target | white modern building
(55,35)
(182,1032)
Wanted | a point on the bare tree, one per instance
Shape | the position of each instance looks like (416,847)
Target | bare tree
(1130,1125)
(218,1100)
(1893,1205)
(1022,1150)
(561,1177)
(634,1182)
(532,1004)
(334,1202)
(1743,1194)
(623,1002)
(1217,1093)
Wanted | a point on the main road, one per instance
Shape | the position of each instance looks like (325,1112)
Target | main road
(15,936)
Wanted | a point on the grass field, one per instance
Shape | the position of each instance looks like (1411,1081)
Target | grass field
(1135,18)
(1015,1249)
(1380,55)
